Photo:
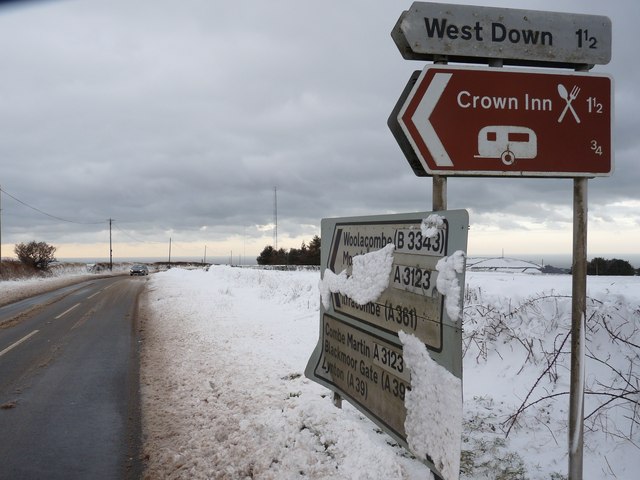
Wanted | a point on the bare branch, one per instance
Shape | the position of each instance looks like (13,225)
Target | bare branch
(513,418)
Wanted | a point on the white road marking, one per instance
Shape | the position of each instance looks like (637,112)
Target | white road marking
(90,297)
(79,323)
(66,311)
(26,337)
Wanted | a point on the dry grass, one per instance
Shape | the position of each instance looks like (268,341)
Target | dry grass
(15,270)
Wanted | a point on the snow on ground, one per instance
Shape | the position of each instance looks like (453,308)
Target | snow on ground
(61,276)
(224,395)
(515,325)
(223,390)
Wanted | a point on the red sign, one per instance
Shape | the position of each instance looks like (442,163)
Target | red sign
(504,122)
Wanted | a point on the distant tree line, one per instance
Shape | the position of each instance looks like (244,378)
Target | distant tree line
(305,255)
(615,266)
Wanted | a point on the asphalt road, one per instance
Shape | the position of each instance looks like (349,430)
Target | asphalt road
(69,392)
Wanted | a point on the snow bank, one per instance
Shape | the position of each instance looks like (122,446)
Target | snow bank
(515,325)
(224,395)
(61,276)
(223,390)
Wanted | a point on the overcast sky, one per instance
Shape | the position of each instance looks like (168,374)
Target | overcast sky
(177,119)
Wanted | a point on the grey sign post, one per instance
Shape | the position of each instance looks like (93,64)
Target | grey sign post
(359,355)
(472,34)
(445,33)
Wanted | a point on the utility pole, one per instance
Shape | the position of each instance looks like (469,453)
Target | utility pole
(110,247)
(275,217)
(169,250)
(0,230)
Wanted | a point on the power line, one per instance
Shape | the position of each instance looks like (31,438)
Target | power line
(115,225)
(45,213)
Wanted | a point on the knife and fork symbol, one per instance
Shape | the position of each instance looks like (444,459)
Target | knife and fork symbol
(568,97)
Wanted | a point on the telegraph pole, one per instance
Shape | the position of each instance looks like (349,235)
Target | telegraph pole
(110,247)
(0,230)
(275,217)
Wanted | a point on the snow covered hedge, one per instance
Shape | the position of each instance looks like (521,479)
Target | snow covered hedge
(224,395)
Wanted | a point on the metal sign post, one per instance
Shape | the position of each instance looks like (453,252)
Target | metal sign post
(578,320)
(439,193)
(472,122)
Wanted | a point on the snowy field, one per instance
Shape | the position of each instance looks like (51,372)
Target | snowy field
(224,395)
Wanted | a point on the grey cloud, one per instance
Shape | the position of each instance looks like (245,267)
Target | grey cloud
(172,116)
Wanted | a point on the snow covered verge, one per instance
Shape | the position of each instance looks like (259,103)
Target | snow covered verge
(224,395)
(223,390)
(516,346)
(60,276)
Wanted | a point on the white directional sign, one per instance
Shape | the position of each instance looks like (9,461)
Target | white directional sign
(412,302)
(473,34)
(359,354)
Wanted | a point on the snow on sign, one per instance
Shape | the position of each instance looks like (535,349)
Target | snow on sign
(506,122)
(382,275)
(411,302)
(469,34)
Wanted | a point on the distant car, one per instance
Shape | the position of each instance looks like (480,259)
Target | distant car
(139,270)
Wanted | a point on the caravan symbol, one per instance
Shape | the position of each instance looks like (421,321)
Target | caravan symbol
(507,143)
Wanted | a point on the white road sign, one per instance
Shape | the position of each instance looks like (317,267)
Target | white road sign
(473,34)
(359,354)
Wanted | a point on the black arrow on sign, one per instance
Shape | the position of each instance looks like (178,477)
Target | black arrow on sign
(399,135)
(332,259)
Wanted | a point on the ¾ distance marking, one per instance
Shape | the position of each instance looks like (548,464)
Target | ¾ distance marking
(66,311)
(15,344)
